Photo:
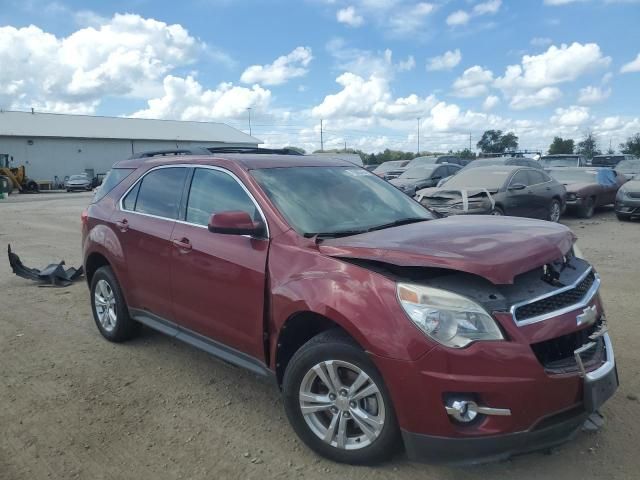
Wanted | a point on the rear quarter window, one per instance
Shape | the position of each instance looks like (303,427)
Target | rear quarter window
(111,181)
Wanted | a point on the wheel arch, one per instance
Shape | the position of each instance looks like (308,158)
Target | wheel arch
(94,261)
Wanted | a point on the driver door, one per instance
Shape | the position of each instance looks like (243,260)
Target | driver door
(519,202)
(218,280)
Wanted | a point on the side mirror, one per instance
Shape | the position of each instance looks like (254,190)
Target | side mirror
(517,186)
(235,223)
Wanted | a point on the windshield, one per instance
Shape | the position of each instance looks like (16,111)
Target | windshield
(575,176)
(420,161)
(78,177)
(630,166)
(418,172)
(336,199)
(551,161)
(606,160)
(489,179)
(386,166)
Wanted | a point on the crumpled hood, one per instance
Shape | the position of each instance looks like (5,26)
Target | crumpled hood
(401,182)
(496,248)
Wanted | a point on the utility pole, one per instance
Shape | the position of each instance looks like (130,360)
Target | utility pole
(469,141)
(345,146)
(418,136)
(321,137)
(249,109)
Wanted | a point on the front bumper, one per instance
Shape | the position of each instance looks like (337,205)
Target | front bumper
(628,206)
(78,187)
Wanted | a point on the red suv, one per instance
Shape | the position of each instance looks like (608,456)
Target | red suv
(466,339)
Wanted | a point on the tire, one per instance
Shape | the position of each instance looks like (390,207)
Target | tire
(107,294)
(586,210)
(333,351)
(622,217)
(498,212)
(555,211)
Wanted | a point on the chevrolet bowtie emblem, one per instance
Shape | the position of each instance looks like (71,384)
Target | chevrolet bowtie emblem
(588,316)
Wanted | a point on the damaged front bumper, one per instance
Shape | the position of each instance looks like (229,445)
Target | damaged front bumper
(459,202)
(53,274)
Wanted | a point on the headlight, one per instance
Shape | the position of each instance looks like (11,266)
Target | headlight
(621,194)
(448,318)
(571,196)
(577,252)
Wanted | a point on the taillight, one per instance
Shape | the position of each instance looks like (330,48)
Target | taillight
(84,216)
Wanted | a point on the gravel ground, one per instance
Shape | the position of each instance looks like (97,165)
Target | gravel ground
(73,405)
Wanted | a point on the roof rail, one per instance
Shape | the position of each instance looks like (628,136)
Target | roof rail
(174,152)
(269,151)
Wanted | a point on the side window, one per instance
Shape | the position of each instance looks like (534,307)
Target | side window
(520,177)
(129,202)
(536,177)
(215,191)
(160,191)
(439,172)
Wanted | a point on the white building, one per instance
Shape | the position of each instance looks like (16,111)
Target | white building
(55,145)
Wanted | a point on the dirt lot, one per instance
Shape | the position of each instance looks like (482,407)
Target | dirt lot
(73,405)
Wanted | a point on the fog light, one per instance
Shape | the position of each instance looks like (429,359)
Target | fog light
(463,410)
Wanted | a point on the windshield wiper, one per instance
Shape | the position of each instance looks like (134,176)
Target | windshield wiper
(341,233)
(397,223)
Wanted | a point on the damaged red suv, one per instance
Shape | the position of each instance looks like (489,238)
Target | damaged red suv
(465,339)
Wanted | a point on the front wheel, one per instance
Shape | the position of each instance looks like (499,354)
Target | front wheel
(498,212)
(622,217)
(555,210)
(337,402)
(586,210)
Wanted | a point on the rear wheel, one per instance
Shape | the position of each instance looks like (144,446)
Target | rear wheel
(498,212)
(587,209)
(109,308)
(337,402)
(555,210)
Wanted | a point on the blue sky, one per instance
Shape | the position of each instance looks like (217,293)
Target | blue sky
(368,68)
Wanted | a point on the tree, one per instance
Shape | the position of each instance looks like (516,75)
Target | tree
(466,153)
(493,141)
(632,145)
(589,146)
(560,146)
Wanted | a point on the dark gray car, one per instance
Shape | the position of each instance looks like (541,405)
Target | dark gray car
(417,178)
(505,190)
(628,199)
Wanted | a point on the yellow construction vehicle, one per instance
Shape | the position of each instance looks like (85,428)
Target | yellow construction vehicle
(17,176)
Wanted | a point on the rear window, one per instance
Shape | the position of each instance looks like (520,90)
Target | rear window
(606,160)
(159,193)
(113,178)
(491,179)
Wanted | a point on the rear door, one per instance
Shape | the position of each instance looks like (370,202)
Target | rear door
(143,224)
(541,194)
(217,280)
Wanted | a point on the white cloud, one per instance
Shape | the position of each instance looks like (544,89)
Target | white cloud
(283,69)
(490,102)
(126,56)
(186,99)
(573,116)
(590,95)
(487,8)
(632,66)
(561,2)
(539,98)
(556,65)
(369,97)
(407,65)
(457,18)
(474,82)
(446,61)
(365,62)
(541,41)
(407,20)
(349,16)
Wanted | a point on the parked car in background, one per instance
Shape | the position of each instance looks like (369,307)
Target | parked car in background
(506,190)
(588,188)
(391,169)
(628,199)
(78,183)
(562,160)
(610,161)
(348,157)
(516,161)
(436,159)
(381,325)
(416,178)
(629,167)
(371,168)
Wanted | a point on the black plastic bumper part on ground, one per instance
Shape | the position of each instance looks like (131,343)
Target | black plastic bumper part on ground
(469,451)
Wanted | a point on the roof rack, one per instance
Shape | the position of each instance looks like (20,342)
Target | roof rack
(174,152)
(268,151)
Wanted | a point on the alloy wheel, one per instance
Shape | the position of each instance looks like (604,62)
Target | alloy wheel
(554,214)
(104,300)
(342,405)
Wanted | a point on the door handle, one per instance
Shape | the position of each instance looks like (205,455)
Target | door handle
(183,244)
(123,225)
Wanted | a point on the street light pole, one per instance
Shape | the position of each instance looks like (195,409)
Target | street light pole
(249,109)
(418,136)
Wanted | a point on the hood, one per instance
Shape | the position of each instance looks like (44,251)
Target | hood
(632,186)
(496,248)
(577,186)
(403,182)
